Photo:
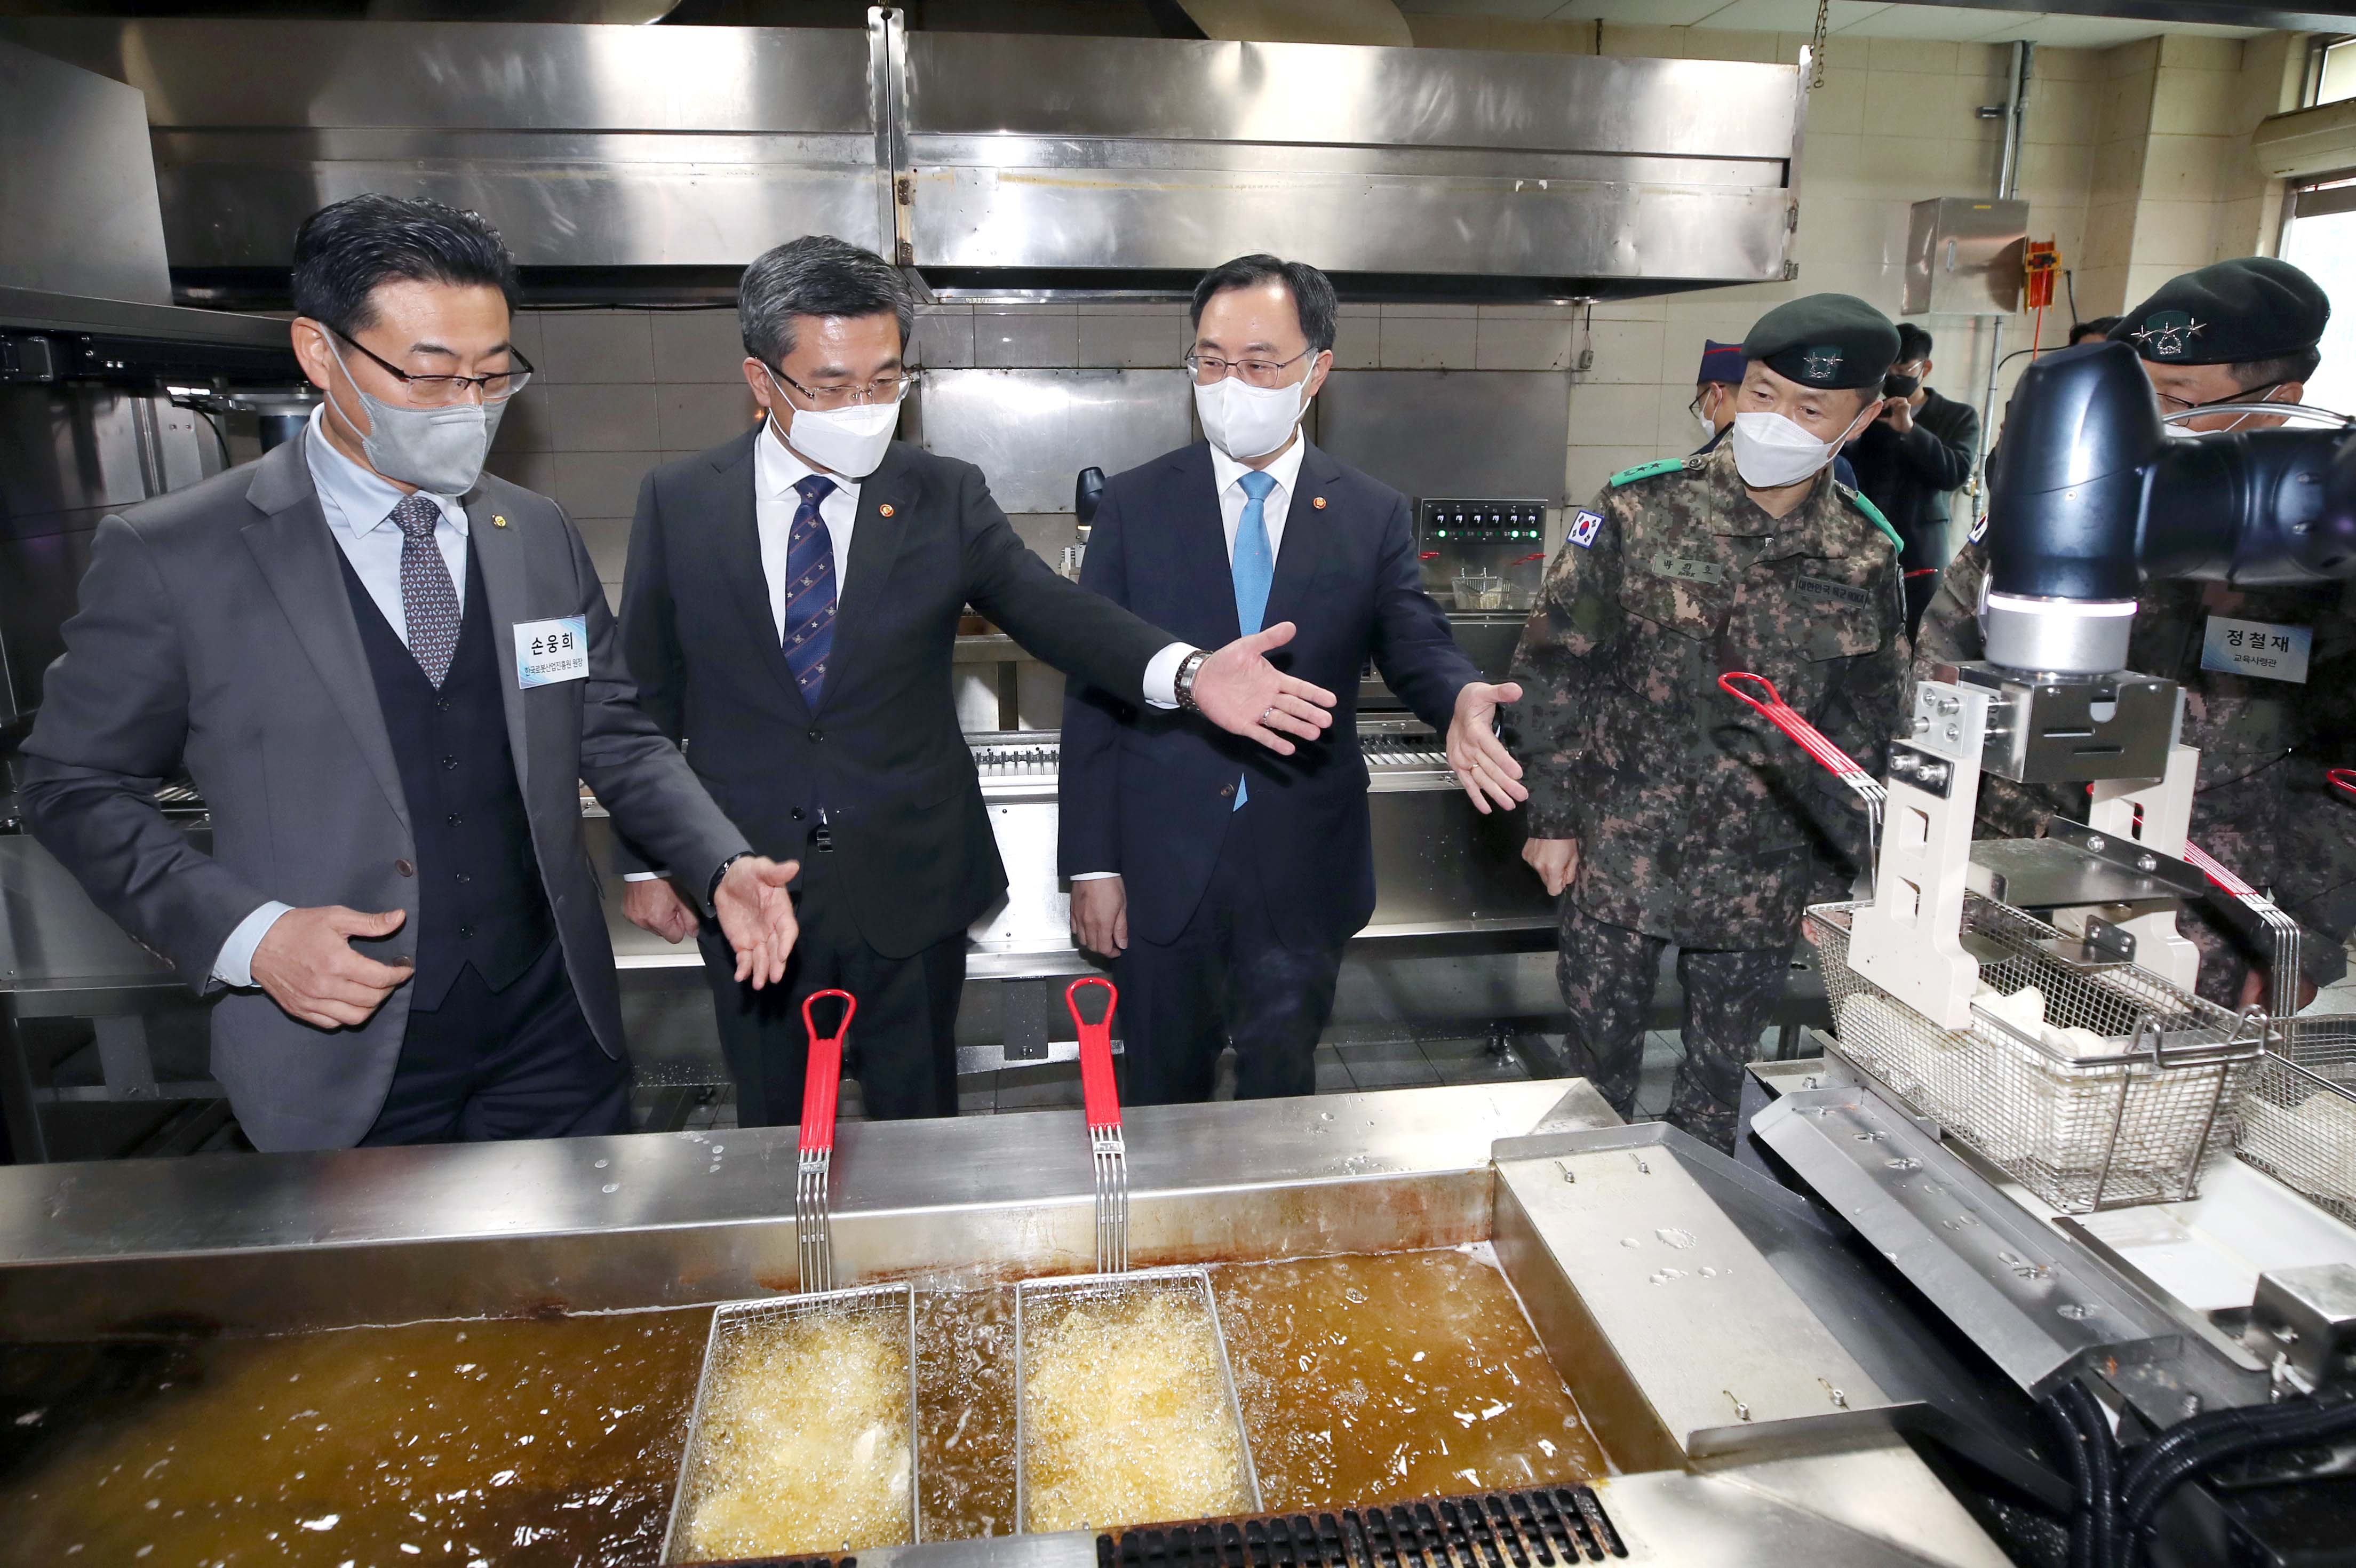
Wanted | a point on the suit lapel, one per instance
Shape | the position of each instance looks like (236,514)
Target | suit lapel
(1200,538)
(886,500)
(1307,530)
(507,598)
(736,528)
(299,561)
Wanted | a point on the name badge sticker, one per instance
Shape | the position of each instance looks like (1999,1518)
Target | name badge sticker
(548,651)
(2257,648)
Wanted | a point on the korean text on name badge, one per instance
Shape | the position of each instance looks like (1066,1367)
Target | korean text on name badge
(2257,648)
(548,651)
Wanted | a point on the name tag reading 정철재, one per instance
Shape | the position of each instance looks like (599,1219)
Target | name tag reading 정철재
(2257,648)
(548,651)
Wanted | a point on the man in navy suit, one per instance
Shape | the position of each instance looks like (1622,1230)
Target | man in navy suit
(1227,884)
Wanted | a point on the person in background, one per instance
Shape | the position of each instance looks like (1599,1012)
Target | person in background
(1226,883)
(790,609)
(2093,331)
(1713,406)
(1661,808)
(1908,461)
(389,674)
(2240,331)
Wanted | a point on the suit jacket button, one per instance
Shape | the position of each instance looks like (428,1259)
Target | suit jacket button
(817,733)
(795,813)
(1226,791)
(405,867)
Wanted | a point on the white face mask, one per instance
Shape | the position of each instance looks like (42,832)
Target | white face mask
(439,450)
(1702,418)
(1247,422)
(847,441)
(1771,451)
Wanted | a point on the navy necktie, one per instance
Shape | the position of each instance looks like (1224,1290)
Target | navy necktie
(809,590)
(1254,568)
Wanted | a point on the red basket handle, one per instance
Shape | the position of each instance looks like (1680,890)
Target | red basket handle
(2344,781)
(1099,1090)
(822,1083)
(1813,741)
(2224,875)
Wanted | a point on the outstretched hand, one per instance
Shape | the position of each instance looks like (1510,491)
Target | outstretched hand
(757,915)
(1240,691)
(1482,765)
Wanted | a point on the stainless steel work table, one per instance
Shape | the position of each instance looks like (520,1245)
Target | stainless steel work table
(263,1243)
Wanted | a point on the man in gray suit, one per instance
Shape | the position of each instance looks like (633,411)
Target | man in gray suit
(387,673)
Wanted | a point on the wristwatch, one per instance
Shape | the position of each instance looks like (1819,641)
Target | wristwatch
(1183,685)
(711,894)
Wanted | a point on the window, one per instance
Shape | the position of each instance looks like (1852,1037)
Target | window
(2319,238)
(2331,71)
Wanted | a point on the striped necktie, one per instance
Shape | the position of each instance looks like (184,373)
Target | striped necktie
(1254,568)
(809,590)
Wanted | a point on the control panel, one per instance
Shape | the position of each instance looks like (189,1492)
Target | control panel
(1482,553)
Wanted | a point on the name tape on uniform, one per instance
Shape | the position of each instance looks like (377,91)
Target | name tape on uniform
(1687,570)
(1846,593)
(2257,648)
(1583,524)
(548,651)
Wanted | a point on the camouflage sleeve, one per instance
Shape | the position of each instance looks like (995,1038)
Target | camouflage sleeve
(1950,632)
(1577,616)
(1866,709)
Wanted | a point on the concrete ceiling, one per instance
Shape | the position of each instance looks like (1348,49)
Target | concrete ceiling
(1850,18)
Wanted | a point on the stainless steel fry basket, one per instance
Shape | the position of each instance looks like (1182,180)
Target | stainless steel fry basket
(2298,1113)
(1034,1298)
(895,1303)
(2083,1132)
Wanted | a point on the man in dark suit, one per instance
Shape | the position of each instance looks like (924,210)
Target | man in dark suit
(790,607)
(1228,882)
(1909,460)
(388,673)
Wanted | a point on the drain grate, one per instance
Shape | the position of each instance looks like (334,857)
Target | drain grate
(1540,1528)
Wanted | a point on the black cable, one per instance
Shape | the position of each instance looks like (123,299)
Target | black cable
(2070,284)
(2078,1401)
(2260,1430)
(219,435)
(2071,1451)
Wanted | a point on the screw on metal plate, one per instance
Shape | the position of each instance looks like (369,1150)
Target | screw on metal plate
(1839,1396)
(1642,1168)
(1567,1174)
(2147,862)
(2097,843)
(1742,1411)
(2192,1406)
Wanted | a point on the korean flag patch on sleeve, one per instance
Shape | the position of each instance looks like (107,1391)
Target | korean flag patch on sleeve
(1583,524)
(1979,530)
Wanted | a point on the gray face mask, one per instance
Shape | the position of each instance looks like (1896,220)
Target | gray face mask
(439,450)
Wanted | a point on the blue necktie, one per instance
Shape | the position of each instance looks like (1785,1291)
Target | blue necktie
(809,590)
(1254,568)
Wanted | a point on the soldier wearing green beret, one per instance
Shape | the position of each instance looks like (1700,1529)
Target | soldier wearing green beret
(1661,808)
(2238,332)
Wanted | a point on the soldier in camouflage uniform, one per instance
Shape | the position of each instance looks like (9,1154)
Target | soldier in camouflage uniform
(2240,331)
(1669,811)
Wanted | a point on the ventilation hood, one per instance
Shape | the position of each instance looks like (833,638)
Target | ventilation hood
(631,162)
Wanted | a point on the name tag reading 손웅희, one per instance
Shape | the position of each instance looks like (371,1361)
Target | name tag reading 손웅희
(548,651)
(2257,648)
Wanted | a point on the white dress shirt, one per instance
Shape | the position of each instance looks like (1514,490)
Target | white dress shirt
(1161,674)
(357,505)
(775,471)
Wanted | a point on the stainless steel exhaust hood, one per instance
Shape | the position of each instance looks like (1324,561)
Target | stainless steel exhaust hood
(991,164)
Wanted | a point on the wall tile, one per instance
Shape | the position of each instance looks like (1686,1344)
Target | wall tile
(2192,51)
(608,539)
(944,341)
(1429,342)
(1537,342)
(692,418)
(1416,310)
(1028,339)
(2174,234)
(2184,169)
(601,484)
(1585,468)
(696,346)
(1913,56)
(525,425)
(1130,339)
(1838,107)
(1628,352)
(523,331)
(2193,102)
(1604,415)
(601,418)
(2129,59)
(1715,43)
(585,346)
(1358,339)
(535,472)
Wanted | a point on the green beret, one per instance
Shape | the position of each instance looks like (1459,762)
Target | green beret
(1825,340)
(2253,307)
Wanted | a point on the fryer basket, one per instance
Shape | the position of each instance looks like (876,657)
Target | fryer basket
(2298,1113)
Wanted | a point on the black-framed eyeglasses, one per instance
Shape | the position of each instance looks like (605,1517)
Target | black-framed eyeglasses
(1208,368)
(2255,394)
(445,392)
(887,388)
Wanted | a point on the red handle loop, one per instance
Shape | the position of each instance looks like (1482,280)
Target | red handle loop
(2344,781)
(1099,1090)
(1813,741)
(822,1082)
(2224,876)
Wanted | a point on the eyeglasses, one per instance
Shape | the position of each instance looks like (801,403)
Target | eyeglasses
(2255,394)
(445,392)
(888,388)
(1209,367)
